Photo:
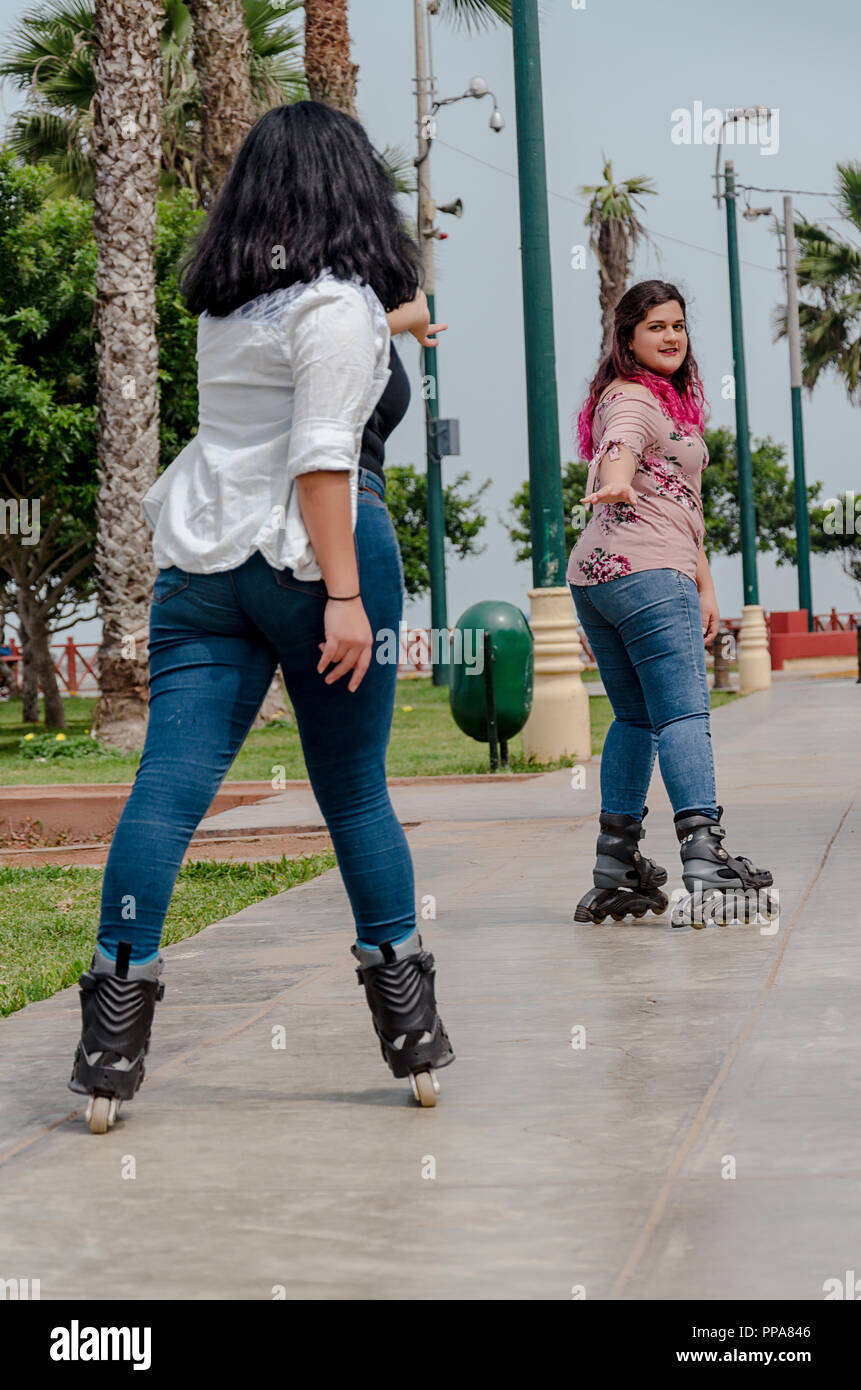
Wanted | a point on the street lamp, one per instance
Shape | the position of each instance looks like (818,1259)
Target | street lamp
(435,434)
(559,723)
(754,664)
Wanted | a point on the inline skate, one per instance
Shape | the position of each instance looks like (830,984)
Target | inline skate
(117,1005)
(625,881)
(721,888)
(399,987)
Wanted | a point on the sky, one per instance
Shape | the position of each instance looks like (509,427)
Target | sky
(614,73)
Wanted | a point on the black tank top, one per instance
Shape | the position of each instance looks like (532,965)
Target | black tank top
(390,410)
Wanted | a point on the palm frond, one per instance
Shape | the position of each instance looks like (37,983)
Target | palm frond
(400,167)
(475,14)
(849,191)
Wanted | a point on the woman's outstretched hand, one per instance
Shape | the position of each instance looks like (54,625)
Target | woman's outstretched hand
(612,492)
(414,317)
(349,642)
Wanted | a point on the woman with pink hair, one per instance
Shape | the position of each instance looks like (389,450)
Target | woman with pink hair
(645,599)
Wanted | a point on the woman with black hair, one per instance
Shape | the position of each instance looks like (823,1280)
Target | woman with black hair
(274,545)
(645,598)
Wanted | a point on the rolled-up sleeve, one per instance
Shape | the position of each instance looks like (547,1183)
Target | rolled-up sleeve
(331,347)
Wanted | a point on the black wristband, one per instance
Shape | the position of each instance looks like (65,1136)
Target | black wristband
(343,598)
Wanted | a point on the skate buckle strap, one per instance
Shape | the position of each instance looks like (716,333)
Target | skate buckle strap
(124,955)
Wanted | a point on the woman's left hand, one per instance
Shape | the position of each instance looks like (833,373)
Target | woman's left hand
(711,615)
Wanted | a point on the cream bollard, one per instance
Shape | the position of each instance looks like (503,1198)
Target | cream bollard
(558,725)
(754,661)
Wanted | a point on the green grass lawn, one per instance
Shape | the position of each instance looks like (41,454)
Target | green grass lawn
(425,742)
(48,916)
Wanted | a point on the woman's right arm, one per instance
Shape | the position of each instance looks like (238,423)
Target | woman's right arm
(625,431)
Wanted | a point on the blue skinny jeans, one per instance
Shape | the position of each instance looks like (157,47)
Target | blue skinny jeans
(215,642)
(646,632)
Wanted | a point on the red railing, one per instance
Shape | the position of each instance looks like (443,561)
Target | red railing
(75,672)
(834,622)
(76,675)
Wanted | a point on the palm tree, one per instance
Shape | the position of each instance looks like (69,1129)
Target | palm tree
(126,138)
(614,232)
(472,13)
(329,70)
(221,57)
(50,59)
(829,270)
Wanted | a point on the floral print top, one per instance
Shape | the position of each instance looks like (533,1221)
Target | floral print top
(665,530)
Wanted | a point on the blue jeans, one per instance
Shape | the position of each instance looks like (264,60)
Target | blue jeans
(215,642)
(646,632)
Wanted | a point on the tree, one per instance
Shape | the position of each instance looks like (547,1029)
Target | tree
(50,59)
(473,14)
(47,419)
(838,532)
(829,280)
(406,499)
(330,73)
(573,488)
(614,233)
(221,57)
(127,159)
(48,391)
(773,497)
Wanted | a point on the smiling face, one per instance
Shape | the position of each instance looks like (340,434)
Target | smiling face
(660,341)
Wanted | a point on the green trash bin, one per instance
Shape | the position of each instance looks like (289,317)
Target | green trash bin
(490,689)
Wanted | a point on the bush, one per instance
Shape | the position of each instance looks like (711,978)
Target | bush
(42,746)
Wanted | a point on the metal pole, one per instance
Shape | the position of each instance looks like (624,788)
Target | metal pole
(490,703)
(430,381)
(742,428)
(545,469)
(802,517)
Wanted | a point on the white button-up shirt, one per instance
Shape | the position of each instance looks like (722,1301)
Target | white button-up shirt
(287,383)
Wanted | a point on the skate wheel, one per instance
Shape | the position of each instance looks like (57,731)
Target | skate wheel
(425,1088)
(618,916)
(660,904)
(99,1114)
(641,913)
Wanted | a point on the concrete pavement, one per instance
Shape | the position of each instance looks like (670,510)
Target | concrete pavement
(702,1143)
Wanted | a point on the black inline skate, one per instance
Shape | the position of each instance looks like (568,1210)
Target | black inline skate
(625,880)
(722,888)
(117,1004)
(399,987)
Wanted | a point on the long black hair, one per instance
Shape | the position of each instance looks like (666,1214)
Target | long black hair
(682,393)
(307,191)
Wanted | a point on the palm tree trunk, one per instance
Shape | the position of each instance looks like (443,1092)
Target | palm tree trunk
(330,74)
(221,57)
(127,153)
(613,260)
